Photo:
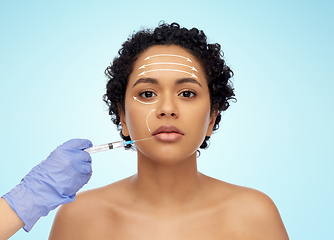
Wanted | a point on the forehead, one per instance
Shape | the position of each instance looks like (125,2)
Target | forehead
(171,60)
(172,49)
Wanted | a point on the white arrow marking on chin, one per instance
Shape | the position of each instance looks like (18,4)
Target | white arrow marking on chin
(168,55)
(173,70)
(160,63)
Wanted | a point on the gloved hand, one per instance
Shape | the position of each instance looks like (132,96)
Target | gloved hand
(54,181)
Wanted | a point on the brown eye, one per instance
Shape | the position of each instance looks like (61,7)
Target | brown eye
(187,94)
(147,94)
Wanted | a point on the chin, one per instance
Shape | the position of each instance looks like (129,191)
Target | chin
(167,156)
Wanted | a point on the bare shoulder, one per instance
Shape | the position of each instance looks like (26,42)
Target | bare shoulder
(250,212)
(91,212)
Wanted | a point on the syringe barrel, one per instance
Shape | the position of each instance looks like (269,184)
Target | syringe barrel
(104,147)
(99,148)
(117,144)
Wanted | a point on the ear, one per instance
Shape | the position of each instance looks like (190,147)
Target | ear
(213,117)
(122,118)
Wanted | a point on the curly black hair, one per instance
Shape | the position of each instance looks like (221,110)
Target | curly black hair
(195,41)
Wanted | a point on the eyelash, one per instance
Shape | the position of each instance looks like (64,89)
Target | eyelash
(146,91)
(188,91)
(192,94)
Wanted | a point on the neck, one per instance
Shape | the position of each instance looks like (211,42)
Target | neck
(164,185)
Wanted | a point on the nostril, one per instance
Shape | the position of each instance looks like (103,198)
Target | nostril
(167,114)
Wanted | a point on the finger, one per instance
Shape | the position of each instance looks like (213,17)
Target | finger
(78,144)
(82,167)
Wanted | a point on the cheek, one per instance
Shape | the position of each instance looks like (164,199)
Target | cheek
(196,123)
(137,120)
(198,115)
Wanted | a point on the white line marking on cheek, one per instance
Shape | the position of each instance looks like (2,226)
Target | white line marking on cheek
(168,63)
(168,55)
(147,120)
(135,98)
(174,70)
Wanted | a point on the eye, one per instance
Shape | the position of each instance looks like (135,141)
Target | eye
(147,94)
(187,94)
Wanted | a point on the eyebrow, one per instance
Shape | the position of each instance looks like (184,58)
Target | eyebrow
(145,80)
(178,82)
(187,80)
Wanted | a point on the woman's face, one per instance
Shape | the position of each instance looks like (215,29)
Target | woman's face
(167,98)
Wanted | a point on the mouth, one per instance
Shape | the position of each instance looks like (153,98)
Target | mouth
(168,133)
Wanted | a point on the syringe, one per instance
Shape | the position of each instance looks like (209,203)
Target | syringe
(109,146)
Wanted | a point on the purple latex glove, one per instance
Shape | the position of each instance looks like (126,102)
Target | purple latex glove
(53,182)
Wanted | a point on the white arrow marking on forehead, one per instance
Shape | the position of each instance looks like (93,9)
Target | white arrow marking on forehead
(168,55)
(174,70)
(160,63)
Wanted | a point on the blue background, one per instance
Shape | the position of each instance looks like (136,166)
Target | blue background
(278,137)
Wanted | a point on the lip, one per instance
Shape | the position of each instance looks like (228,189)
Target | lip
(167,129)
(168,133)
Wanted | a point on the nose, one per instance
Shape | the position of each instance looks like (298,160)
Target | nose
(167,107)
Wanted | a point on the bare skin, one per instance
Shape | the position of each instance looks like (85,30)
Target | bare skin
(168,198)
(219,211)
(10,222)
